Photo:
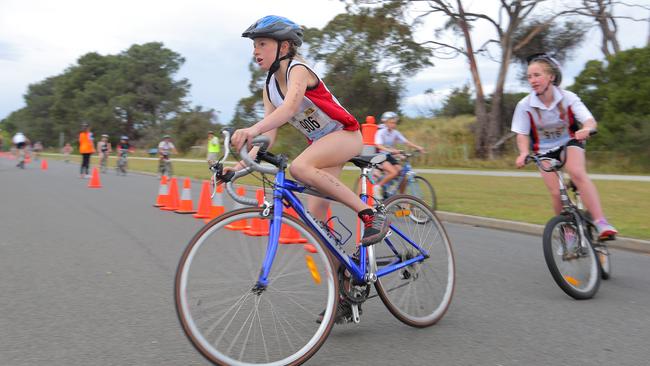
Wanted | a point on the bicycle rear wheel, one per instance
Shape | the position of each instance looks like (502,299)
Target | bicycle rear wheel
(421,188)
(573,268)
(229,320)
(418,294)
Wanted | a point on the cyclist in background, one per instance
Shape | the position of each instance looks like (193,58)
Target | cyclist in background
(385,139)
(66,150)
(20,141)
(104,148)
(545,121)
(37,149)
(122,153)
(165,149)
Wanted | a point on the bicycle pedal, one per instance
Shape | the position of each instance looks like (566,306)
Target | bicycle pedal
(355,314)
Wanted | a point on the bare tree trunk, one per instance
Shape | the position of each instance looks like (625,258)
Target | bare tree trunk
(482,118)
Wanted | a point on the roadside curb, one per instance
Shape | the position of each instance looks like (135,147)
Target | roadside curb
(634,245)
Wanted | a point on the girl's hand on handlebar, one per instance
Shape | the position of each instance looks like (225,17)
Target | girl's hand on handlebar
(243,135)
(583,134)
(521,160)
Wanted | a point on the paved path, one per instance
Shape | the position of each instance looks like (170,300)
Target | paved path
(491,173)
(86,278)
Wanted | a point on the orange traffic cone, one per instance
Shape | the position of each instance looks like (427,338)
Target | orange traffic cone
(94,179)
(173,203)
(186,206)
(44,164)
(204,202)
(240,224)
(163,193)
(216,207)
(259,227)
(289,235)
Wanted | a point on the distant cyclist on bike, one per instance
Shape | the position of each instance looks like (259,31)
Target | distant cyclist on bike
(547,119)
(385,139)
(165,149)
(104,148)
(20,141)
(122,153)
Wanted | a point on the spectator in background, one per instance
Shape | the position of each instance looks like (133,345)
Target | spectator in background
(213,147)
(86,149)
(67,150)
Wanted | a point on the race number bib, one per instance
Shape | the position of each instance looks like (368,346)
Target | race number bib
(313,123)
(553,133)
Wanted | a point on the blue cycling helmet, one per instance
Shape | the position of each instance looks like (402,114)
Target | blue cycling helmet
(275,27)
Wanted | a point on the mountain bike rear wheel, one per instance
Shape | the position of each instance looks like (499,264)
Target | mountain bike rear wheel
(229,319)
(418,294)
(573,267)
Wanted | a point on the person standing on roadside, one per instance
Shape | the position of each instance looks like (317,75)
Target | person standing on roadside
(213,147)
(86,149)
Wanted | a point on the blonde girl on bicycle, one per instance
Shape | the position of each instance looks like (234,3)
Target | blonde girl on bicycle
(545,121)
(294,93)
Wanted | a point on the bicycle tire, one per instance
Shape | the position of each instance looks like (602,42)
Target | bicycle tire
(602,253)
(422,189)
(231,324)
(416,281)
(577,274)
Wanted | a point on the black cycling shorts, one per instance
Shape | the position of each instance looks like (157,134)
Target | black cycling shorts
(557,153)
(20,145)
(391,159)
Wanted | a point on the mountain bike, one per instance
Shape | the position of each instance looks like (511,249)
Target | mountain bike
(249,300)
(407,182)
(576,257)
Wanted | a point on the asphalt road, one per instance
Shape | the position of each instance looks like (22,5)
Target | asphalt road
(86,278)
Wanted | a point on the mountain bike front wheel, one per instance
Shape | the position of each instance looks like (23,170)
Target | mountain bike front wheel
(230,319)
(418,294)
(573,267)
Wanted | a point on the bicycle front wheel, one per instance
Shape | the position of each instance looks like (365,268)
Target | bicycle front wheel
(418,294)
(421,188)
(573,267)
(229,319)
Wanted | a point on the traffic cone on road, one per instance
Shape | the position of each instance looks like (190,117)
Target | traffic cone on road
(185,206)
(163,193)
(204,202)
(289,235)
(94,179)
(216,207)
(240,224)
(259,227)
(44,164)
(173,202)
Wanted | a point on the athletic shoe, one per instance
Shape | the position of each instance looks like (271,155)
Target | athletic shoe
(376,226)
(605,230)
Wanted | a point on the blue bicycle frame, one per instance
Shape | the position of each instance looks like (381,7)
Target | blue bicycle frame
(284,190)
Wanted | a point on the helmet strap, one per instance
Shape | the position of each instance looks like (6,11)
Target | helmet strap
(276,64)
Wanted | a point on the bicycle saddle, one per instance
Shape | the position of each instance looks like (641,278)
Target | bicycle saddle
(365,161)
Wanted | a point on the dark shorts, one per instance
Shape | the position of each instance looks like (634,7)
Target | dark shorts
(558,153)
(20,145)
(391,159)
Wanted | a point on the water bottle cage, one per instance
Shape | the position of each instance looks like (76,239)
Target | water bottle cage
(338,237)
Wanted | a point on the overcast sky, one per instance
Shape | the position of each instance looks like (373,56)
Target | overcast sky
(41,38)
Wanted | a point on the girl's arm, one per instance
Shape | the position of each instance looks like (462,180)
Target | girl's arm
(299,79)
(272,134)
(523,145)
